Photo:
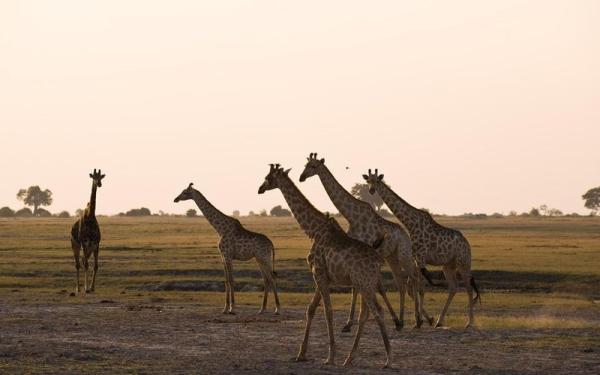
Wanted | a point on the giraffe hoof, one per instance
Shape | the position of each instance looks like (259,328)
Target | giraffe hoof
(231,312)
(399,325)
(329,362)
(261,311)
(300,358)
(347,328)
(386,365)
(439,325)
(347,362)
(276,312)
(430,321)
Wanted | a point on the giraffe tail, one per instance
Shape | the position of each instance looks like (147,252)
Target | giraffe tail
(474,285)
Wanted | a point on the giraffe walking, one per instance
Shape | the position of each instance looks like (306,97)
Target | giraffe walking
(237,243)
(367,225)
(334,258)
(432,244)
(85,234)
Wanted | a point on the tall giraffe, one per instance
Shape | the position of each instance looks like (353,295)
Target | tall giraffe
(334,258)
(367,225)
(237,243)
(85,233)
(432,243)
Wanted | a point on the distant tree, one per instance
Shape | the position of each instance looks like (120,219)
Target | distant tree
(543,210)
(263,213)
(512,213)
(79,212)
(280,211)
(191,213)
(64,214)
(143,211)
(43,213)
(534,212)
(235,213)
(592,199)
(6,212)
(251,213)
(24,212)
(361,191)
(36,197)
(555,212)
(497,215)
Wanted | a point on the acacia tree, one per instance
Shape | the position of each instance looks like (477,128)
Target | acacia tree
(592,199)
(36,197)
(361,191)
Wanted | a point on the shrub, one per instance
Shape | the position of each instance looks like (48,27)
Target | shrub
(191,213)
(236,213)
(143,211)
(24,212)
(43,213)
(64,214)
(280,211)
(6,212)
(263,213)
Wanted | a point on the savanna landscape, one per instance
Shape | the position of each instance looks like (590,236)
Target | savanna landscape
(159,295)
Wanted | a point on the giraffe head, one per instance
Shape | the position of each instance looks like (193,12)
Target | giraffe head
(312,166)
(271,181)
(97,177)
(185,194)
(372,179)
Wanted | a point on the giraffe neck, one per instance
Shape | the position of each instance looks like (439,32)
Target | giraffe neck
(311,220)
(341,198)
(407,214)
(91,211)
(221,222)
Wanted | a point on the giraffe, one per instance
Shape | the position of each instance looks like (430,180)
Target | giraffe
(432,244)
(366,225)
(85,234)
(334,258)
(237,243)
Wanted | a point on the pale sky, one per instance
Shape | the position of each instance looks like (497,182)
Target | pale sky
(465,106)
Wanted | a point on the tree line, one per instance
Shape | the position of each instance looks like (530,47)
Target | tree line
(37,198)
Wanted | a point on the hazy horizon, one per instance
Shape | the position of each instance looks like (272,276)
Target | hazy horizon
(464,106)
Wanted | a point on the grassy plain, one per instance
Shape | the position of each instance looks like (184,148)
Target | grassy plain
(540,279)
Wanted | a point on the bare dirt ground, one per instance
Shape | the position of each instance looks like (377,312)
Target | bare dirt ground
(108,336)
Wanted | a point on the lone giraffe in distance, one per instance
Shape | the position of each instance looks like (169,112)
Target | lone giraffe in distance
(334,259)
(432,244)
(237,243)
(367,225)
(85,234)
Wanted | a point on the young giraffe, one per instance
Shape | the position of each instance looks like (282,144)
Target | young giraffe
(366,225)
(432,243)
(334,258)
(85,233)
(237,243)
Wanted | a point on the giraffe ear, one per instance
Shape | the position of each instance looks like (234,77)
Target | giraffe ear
(380,177)
(366,177)
(287,171)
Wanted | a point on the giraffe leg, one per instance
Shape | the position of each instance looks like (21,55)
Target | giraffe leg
(271,281)
(415,287)
(423,312)
(95,272)
(466,276)
(324,288)
(450,274)
(310,313)
(227,286)
(76,246)
(400,278)
(362,319)
(381,290)
(86,266)
(229,265)
(374,306)
(350,320)
(265,291)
